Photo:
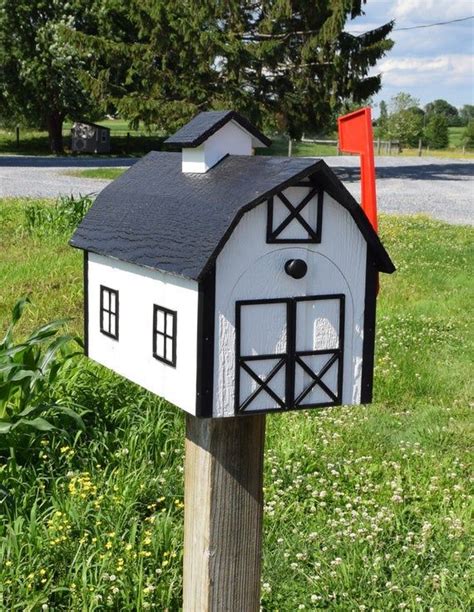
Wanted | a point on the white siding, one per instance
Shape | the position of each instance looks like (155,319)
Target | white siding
(249,268)
(230,139)
(131,356)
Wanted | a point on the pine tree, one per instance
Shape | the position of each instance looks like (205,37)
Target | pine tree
(286,64)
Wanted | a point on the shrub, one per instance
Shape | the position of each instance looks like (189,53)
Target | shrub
(436,132)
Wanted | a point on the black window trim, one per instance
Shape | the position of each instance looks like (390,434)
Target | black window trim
(314,235)
(109,334)
(172,336)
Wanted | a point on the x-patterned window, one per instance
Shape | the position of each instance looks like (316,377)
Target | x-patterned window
(109,312)
(295,215)
(164,335)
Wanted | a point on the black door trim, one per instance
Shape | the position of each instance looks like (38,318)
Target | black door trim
(289,359)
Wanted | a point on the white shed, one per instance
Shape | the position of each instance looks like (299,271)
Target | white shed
(230,283)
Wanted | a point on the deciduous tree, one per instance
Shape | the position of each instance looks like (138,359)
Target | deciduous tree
(39,67)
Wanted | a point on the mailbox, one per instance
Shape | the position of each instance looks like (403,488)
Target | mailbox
(230,283)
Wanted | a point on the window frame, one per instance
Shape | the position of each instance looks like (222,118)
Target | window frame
(165,334)
(112,314)
(314,236)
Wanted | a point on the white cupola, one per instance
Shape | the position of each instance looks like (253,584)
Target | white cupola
(212,135)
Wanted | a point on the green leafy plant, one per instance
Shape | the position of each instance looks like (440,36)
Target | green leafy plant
(63,216)
(28,371)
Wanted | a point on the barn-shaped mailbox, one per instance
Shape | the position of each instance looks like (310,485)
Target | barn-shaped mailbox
(230,283)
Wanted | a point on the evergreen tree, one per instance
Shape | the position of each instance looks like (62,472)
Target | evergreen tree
(436,132)
(39,67)
(286,64)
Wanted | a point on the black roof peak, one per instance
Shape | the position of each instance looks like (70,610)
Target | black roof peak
(204,125)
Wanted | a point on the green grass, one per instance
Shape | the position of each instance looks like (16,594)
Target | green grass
(97,173)
(365,507)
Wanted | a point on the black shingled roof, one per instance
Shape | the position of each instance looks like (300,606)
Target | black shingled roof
(206,124)
(155,215)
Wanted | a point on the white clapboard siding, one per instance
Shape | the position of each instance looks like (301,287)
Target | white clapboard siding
(132,354)
(231,139)
(249,268)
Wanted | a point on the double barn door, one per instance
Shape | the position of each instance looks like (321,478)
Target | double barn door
(289,353)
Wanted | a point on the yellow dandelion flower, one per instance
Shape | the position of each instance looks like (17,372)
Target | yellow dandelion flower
(109,545)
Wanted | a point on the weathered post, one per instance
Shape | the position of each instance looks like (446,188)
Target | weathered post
(378,146)
(223,506)
(17,136)
(290,146)
(420,147)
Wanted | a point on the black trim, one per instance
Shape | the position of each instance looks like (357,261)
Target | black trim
(205,345)
(314,234)
(368,347)
(85,272)
(324,177)
(290,359)
(113,315)
(182,139)
(165,334)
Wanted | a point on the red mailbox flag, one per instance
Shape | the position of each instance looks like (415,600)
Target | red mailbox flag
(356,136)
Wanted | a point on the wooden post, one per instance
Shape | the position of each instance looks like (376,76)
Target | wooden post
(223,514)
(420,147)
(378,146)
(290,147)
(389,147)
(17,136)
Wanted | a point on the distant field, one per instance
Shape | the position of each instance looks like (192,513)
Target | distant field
(141,141)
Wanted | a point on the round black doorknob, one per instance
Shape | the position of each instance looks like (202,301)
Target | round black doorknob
(296,268)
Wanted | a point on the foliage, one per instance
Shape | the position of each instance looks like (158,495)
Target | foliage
(364,506)
(468,135)
(466,113)
(446,110)
(436,132)
(64,216)
(28,370)
(289,65)
(404,123)
(39,67)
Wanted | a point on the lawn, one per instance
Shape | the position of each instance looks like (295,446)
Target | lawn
(366,508)
(141,141)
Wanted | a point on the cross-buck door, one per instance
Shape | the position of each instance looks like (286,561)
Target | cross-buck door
(289,353)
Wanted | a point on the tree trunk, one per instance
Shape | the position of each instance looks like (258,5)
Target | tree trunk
(55,132)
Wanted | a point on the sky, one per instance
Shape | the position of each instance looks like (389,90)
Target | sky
(428,63)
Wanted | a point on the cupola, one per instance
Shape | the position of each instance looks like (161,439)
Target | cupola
(212,135)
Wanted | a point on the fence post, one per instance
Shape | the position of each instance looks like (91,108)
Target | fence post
(127,144)
(389,147)
(290,146)
(223,512)
(378,146)
(17,130)
(420,147)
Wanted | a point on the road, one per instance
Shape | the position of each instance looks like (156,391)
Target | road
(441,188)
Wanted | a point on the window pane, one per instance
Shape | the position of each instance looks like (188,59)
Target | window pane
(113,324)
(169,324)
(106,299)
(169,349)
(160,321)
(160,345)
(113,300)
(104,321)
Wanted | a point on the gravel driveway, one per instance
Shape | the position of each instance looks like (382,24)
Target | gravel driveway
(441,188)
